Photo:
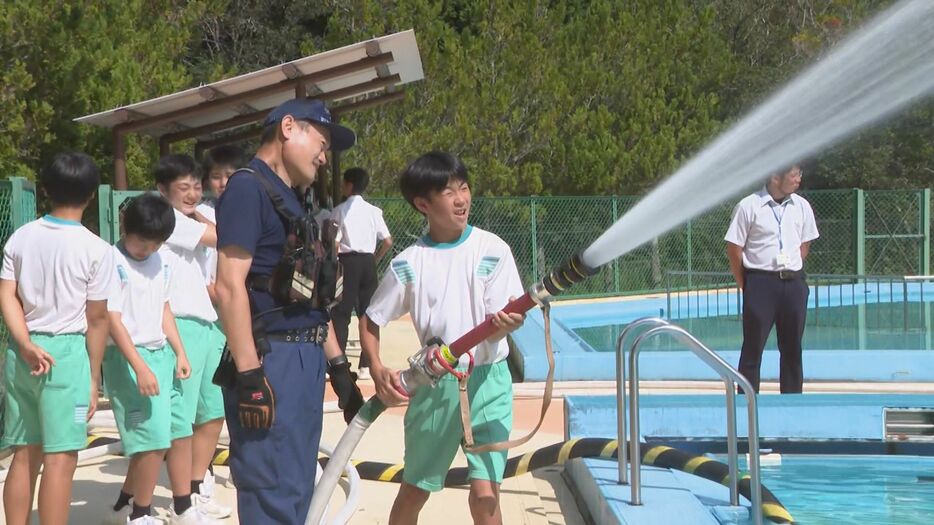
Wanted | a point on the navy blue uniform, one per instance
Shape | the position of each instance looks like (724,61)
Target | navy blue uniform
(274,469)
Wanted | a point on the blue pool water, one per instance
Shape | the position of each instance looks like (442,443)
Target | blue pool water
(845,490)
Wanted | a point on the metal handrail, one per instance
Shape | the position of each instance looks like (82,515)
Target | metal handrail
(620,392)
(731,378)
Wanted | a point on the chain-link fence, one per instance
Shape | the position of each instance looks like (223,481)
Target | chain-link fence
(879,232)
(17,207)
(111,204)
(862,232)
(897,231)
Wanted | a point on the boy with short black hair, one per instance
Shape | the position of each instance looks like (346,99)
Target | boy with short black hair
(141,374)
(218,164)
(53,289)
(365,239)
(449,281)
(177,178)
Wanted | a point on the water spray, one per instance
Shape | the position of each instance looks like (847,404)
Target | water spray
(881,69)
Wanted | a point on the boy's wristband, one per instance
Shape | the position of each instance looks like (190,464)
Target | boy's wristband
(337,361)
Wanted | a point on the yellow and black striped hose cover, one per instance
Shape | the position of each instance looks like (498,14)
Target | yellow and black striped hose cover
(221,455)
(558,454)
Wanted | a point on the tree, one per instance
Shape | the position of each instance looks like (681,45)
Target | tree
(65,60)
(546,97)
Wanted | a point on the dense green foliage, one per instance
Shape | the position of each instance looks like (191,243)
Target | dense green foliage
(539,97)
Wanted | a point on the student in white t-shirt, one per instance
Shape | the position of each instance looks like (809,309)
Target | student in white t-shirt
(202,401)
(141,372)
(364,240)
(449,281)
(53,291)
(218,164)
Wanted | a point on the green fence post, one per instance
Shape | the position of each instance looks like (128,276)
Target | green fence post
(925,207)
(535,274)
(690,257)
(105,212)
(16,201)
(860,229)
(19,187)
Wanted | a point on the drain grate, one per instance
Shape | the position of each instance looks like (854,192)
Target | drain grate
(909,424)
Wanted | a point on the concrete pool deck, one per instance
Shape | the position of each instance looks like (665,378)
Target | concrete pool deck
(542,498)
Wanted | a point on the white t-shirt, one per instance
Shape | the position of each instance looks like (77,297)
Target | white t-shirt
(207,256)
(770,233)
(361,225)
(58,266)
(140,293)
(450,288)
(189,294)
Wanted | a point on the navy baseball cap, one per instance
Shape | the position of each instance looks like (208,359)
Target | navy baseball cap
(316,112)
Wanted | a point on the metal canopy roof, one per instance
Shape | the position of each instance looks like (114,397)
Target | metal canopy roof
(365,68)
(349,78)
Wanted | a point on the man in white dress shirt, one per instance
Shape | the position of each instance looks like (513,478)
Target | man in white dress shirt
(767,242)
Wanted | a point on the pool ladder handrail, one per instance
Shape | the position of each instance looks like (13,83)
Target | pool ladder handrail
(731,377)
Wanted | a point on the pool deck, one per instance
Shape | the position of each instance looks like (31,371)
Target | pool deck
(540,499)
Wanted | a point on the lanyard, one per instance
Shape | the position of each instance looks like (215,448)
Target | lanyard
(778,219)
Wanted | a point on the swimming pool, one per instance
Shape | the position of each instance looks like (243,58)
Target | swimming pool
(854,333)
(836,467)
(851,490)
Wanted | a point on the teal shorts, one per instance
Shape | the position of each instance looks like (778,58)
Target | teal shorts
(145,422)
(433,428)
(202,400)
(50,409)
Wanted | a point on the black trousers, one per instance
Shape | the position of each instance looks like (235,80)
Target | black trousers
(769,300)
(359,285)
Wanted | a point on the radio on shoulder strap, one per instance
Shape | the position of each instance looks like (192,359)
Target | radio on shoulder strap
(309,271)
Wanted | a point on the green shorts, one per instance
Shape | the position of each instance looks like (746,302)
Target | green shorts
(202,400)
(433,428)
(145,422)
(50,409)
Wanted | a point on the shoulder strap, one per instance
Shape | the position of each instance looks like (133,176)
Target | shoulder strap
(273,194)
(469,444)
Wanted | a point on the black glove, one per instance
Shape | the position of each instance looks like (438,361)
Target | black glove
(256,401)
(344,384)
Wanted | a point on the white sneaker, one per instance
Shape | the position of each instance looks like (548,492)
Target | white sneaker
(206,502)
(363,372)
(192,516)
(117,517)
(145,520)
